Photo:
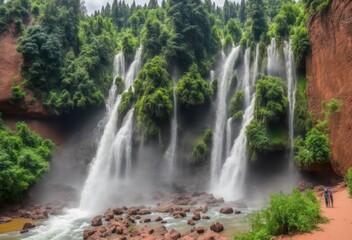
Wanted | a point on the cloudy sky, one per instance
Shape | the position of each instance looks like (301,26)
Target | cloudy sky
(96,4)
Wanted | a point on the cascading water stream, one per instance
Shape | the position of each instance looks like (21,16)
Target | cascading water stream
(273,59)
(228,136)
(232,175)
(221,114)
(109,153)
(291,94)
(170,154)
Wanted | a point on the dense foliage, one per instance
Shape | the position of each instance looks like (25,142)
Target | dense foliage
(269,114)
(192,89)
(23,160)
(236,105)
(315,146)
(201,147)
(285,214)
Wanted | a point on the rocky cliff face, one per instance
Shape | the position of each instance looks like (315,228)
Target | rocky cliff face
(329,72)
(30,111)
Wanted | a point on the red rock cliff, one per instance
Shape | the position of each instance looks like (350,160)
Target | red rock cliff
(329,72)
(31,112)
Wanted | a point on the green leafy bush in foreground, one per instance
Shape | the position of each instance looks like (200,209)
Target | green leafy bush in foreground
(349,181)
(285,214)
(23,159)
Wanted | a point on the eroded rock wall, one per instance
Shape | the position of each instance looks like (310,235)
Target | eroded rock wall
(329,73)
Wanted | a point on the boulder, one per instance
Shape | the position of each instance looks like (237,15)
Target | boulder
(161,230)
(179,214)
(226,210)
(145,220)
(27,226)
(97,221)
(217,227)
(196,217)
(163,222)
(117,211)
(172,235)
(5,219)
(89,232)
(144,212)
(237,212)
(199,229)
(210,235)
(158,219)
(205,217)
(108,215)
(191,222)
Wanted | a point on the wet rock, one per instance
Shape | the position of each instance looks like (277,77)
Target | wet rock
(137,217)
(27,226)
(191,222)
(210,235)
(199,229)
(5,219)
(192,235)
(237,212)
(158,219)
(108,215)
(145,220)
(117,211)
(144,212)
(97,221)
(226,210)
(179,214)
(133,211)
(89,232)
(134,233)
(217,227)
(147,230)
(303,185)
(160,230)
(196,217)
(163,222)
(205,217)
(173,235)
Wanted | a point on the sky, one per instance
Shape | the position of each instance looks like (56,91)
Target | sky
(96,4)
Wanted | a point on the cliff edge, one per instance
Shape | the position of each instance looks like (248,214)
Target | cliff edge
(329,74)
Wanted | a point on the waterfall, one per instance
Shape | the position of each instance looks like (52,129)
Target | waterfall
(246,84)
(273,59)
(256,66)
(291,92)
(221,114)
(228,136)
(231,181)
(170,154)
(114,146)
(233,171)
(134,68)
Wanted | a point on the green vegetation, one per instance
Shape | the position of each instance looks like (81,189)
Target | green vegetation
(192,90)
(315,146)
(285,214)
(313,6)
(348,180)
(23,160)
(201,147)
(266,133)
(153,95)
(302,121)
(15,11)
(18,93)
(236,104)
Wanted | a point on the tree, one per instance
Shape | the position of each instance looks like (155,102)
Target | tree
(191,37)
(243,13)
(257,14)
(192,90)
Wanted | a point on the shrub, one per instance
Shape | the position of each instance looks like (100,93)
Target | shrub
(23,160)
(236,103)
(314,148)
(349,181)
(270,101)
(18,93)
(192,90)
(285,214)
(201,147)
(257,137)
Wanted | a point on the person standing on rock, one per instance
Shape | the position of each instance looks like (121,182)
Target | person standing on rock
(326,196)
(331,198)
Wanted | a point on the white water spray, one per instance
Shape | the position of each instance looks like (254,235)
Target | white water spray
(170,154)
(291,92)
(221,114)
(273,58)
(114,146)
